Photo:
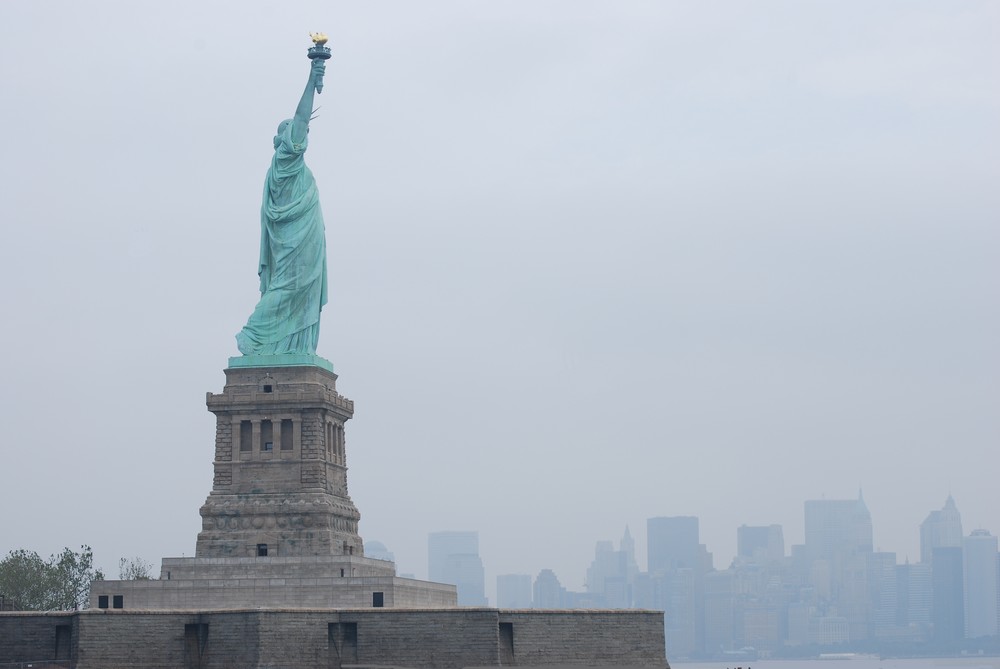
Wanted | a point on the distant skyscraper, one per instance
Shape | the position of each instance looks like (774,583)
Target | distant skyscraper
(720,611)
(760,545)
(838,549)
(684,611)
(941,529)
(914,596)
(547,592)
(675,555)
(605,573)
(514,591)
(453,557)
(612,573)
(672,543)
(883,589)
(949,594)
(837,527)
(377,550)
(979,570)
(627,546)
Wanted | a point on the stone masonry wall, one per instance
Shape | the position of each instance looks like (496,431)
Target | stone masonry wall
(543,637)
(32,637)
(154,640)
(280,593)
(223,438)
(278,432)
(313,449)
(315,639)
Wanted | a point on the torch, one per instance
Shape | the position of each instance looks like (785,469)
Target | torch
(321,51)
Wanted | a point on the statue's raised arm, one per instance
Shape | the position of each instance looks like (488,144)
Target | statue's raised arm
(292,265)
(300,122)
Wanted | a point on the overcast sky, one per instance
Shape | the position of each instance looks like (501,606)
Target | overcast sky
(590,262)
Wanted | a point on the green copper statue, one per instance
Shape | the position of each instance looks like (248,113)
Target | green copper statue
(292,243)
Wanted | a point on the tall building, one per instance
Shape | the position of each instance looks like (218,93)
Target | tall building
(837,527)
(672,543)
(453,557)
(684,611)
(612,573)
(837,549)
(377,550)
(979,571)
(548,593)
(760,545)
(948,594)
(914,601)
(720,613)
(883,589)
(941,529)
(678,564)
(627,546)
(514,591)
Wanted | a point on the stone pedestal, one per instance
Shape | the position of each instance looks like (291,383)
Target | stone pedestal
(280,486)
(278,528)
(280,578)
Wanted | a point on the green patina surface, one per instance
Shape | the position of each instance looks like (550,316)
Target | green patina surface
(292,266)
(282,360)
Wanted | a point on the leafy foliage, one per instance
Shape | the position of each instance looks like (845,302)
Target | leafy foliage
(134,569)
(29,583)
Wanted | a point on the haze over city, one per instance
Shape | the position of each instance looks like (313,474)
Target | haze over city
(589,263)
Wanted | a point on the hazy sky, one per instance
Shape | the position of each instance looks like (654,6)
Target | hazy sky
(590,262)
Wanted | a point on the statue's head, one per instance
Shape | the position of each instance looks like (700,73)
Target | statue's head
(281,131)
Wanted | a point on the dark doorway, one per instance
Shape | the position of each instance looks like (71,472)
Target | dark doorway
(506,643)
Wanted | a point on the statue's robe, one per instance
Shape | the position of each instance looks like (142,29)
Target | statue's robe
(292,258)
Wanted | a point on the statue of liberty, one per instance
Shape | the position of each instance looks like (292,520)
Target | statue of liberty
(292,265)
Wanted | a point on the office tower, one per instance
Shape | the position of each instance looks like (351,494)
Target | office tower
(941,529)
(612,573)
(453,557)
(914,603)
(377,550)
(675,555)
(837,527)
(683,611)
(801,617)
(883,589)
(979,570)
(547,592)
(760,622)
(720,613)
(949,594)
(442,544)
(672,543)
(760,545)
(627,547)
(648,591)
(838,542)
(605,570)
(514,591)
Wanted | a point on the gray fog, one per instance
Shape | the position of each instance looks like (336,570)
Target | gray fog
(590,262)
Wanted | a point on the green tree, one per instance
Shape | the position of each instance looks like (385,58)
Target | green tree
(75,572)
(29,583)
(134,569)
(26,582)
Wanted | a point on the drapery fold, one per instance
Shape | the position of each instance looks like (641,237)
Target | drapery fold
(292,268)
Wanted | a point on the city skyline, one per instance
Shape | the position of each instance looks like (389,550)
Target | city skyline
(719,562)
(589,263)
(833,591)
